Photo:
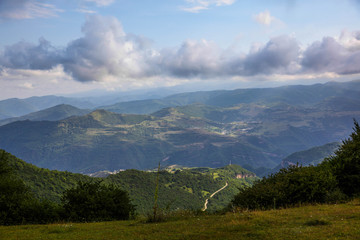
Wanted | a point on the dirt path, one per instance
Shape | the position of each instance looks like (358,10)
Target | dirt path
(207,200)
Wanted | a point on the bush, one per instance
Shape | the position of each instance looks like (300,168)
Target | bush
(42,212)
(288,187)
(334,180)
(93,201)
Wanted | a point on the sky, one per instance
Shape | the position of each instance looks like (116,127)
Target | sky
(60,47)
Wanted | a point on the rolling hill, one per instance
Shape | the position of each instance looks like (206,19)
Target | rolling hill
(179,188)
(312,156)
(103,140)
(257,128)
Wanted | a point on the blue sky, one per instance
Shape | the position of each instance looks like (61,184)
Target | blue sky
(68,46)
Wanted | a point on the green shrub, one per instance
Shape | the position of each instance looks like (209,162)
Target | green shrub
(93,201)
(292,186)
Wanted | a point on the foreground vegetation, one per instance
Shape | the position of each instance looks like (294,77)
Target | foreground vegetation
(334,180)
(29,194)
(340,221)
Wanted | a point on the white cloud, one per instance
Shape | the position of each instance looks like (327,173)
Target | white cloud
(264,18)
(224,2)
(192,59)
(350,40)
(196,6)
(101,3)
(27,85)
(106,52)
(85,10)
(330,55)
(194,9)
(25,9)
(56,73)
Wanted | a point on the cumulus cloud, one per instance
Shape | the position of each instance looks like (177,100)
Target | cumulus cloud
(105,53)
(350,40)
(205,59)
(279,55)
(23,9)
(192,59)
(196,6)
(330,55)
(264,18)
(25,55)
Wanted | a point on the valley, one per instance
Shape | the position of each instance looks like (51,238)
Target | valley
(255,128)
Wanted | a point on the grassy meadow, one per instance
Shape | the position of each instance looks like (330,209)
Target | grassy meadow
(340,221)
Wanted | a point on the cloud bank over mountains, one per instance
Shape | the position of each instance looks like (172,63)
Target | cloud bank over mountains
(106,53)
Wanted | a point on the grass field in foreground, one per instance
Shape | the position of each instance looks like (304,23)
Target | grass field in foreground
(340,221)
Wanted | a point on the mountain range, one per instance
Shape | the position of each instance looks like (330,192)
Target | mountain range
(14,107)
(250,127)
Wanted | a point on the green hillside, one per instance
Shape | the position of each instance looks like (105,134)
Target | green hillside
(44,183)
(183,188)
(180,188)
(312,156)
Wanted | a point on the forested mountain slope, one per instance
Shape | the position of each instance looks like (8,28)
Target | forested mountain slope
(252,127)
(179,188)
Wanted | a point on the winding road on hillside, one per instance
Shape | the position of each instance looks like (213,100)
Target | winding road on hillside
(207,200)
